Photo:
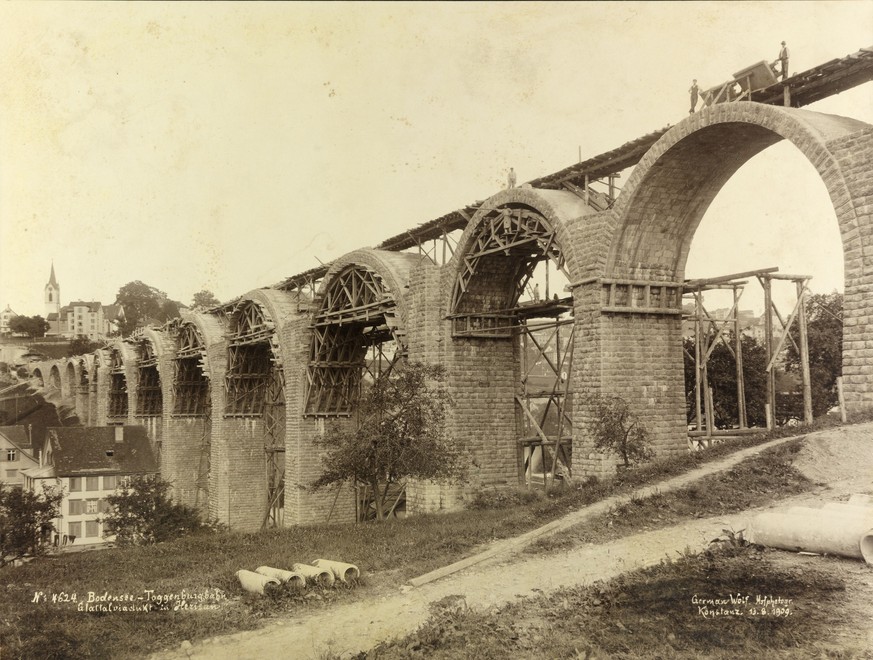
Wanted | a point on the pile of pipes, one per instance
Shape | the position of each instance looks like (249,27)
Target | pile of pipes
(321,572)
(836,528)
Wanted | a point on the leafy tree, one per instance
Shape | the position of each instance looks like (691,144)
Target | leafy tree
(825,342)
(618,430)
(722,370)
(142,303)
(204,299)
(141,512)
(32,326)
(81,345)
(399,433)
(25,517)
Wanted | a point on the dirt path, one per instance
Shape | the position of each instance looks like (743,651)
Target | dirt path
(840,460)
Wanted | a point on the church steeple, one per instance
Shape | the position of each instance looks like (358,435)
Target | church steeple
(52,295)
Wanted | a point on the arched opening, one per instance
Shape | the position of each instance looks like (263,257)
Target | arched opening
(659,212)
(118,405)
(71,378)
(192,399)
(510,291)
(55,379)
(37,374)
(149,398)
(255,386)
(355,336)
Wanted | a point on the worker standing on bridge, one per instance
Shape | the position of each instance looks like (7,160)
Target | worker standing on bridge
(783,59)
(693,91)
(510,180)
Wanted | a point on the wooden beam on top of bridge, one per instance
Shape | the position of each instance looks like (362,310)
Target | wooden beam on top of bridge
(691,284)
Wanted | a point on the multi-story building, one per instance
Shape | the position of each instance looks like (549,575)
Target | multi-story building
(5,317)
(91,319)
(15,455)
(89,463)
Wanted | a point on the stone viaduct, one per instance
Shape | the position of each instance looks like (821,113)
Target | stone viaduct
(227,394)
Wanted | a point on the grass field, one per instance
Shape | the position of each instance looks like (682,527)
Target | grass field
(388,554)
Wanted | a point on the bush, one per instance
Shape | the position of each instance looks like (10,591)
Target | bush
(142,513)
(618,430)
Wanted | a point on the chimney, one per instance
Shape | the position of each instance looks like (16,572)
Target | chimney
(119,435)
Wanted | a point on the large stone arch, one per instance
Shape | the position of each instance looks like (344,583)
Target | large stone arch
(362,291)
(484,368)
(654,221)
(196,347)
(152,350)
(249,419)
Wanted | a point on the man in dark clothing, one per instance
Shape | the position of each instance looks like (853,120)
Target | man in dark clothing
(693,91)
(783,59)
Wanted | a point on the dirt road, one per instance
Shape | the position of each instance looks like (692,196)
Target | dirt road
(841,461)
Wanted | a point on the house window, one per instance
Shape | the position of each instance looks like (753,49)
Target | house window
(77,507)
(11,455)
(75,484)
(110,483)
(91,529)
(92,483)
(91,506)
(74,529)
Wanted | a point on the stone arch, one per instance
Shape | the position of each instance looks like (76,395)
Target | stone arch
(69,379)
(254,403)
(654,221)
(36,372)
(489,332)
(361,304)
(55,379)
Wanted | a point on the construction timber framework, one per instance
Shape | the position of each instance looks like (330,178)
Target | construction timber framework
(457,291)
(149,399)
(357,316)
(254,387)
(709,332)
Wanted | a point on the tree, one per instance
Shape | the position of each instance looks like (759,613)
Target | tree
(825,341)
(722,370)
(32,326)
(81,345)
(25,519)
(141,512)
(399,433)
(142,303)
(618,430)
(203,300)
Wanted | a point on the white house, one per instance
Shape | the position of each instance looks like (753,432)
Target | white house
(89,463)
(15,455)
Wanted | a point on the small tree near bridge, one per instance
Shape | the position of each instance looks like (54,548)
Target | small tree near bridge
(399,433)
(618,430)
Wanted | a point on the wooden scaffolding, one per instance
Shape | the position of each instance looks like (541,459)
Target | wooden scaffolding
(117,386)
(149,398)
(710,331)
(254,387)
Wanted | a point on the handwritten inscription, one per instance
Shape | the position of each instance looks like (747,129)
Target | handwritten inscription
(740,605)
(147,600)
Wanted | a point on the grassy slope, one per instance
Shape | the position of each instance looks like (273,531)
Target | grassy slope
(390,553)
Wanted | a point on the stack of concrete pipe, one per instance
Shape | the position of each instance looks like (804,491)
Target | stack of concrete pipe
(322,572)
(837,528)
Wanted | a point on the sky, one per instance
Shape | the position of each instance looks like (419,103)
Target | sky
(226,146)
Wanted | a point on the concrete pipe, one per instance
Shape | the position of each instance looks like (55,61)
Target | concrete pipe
(849,508)
(317,575)
(867,547)
(344,572)
(255,582)
(859,498)
(838,535)
(828,511)
(288,578)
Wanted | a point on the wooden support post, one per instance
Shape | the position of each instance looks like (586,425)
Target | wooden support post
(710,414)
(786,96)
(587,196)
(768,346)
(841,399)
(741,382)
(804,351)
(698,338)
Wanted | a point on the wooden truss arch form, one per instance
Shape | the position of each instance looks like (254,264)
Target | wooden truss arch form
(190,383)
(516,232)
(357,316)
(82,383)
(255,386)
(252,355)
(149,397)
(117,385)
